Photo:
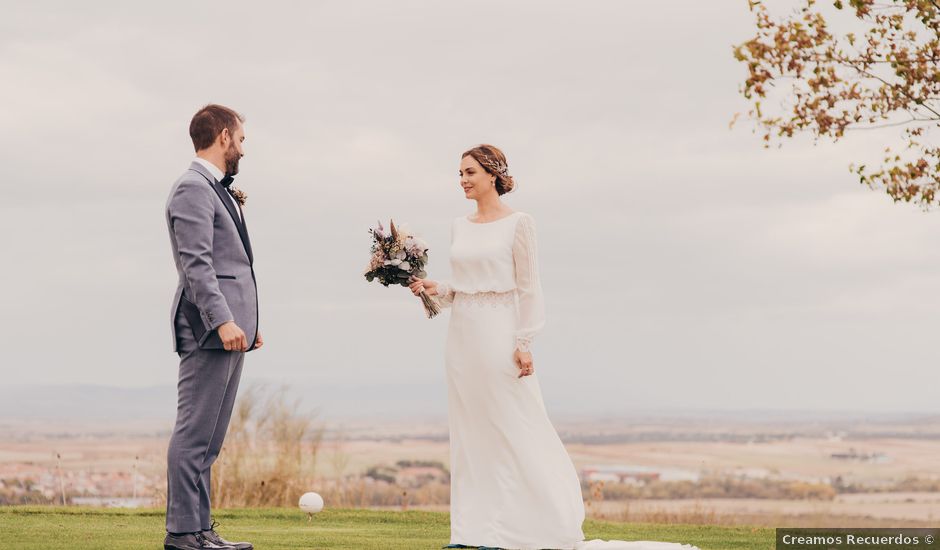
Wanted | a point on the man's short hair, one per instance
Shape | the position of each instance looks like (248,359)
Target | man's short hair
(209,122)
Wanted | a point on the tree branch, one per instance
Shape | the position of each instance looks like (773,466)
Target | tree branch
(892,124)
(891,85)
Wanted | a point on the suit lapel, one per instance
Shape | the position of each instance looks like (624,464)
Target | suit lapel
(243,231)
(227,201)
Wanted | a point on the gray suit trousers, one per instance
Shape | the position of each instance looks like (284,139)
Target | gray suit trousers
(208,381)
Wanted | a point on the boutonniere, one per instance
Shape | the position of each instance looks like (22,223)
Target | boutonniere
(240,196)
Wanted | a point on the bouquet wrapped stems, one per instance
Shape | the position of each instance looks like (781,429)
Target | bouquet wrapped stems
(431,307)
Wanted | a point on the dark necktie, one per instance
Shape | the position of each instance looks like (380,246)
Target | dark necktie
(226,181)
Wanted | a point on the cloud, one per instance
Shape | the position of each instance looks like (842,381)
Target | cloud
(684,265)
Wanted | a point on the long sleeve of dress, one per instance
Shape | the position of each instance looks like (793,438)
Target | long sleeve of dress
(528,285)
(445,290)
(445,294)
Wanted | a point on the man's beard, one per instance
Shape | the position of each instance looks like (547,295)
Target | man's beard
(231,161)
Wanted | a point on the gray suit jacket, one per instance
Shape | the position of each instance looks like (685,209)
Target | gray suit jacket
(213,258)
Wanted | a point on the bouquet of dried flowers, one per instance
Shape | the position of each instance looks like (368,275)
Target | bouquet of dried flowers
(398,255)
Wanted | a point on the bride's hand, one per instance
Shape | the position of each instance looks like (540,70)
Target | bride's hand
(427,285)
(523,361)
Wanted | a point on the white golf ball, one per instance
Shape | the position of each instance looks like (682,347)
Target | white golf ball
(311,503)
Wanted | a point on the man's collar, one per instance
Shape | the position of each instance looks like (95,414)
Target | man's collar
(213,169)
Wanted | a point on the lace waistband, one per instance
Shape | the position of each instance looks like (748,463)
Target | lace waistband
(494,299)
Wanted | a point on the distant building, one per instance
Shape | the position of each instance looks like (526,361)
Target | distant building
(634,475)
(878,458)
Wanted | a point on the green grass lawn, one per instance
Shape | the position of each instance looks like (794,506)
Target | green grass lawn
(54,528)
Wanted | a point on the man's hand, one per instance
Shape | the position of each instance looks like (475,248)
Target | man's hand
(259,342)
(233,338)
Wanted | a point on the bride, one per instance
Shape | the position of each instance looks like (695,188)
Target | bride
(513,485)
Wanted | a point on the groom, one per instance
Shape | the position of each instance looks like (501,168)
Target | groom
(214,321)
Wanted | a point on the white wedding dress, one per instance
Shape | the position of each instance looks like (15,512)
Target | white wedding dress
(513,485)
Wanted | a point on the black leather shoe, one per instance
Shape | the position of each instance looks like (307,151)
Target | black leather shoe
(214,537)
(192,541)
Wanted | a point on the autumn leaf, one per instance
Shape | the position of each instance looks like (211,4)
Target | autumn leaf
(879,79)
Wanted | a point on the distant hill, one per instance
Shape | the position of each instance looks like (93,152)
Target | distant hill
(154,407)
(158,403)
(87,402)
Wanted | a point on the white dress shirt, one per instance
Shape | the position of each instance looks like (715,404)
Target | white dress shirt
(218,175)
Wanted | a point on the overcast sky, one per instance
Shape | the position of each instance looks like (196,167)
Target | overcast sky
(684,266)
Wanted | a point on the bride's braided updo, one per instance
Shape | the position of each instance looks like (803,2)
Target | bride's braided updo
(494,162)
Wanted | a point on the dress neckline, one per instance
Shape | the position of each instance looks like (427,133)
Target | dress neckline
(511,214)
